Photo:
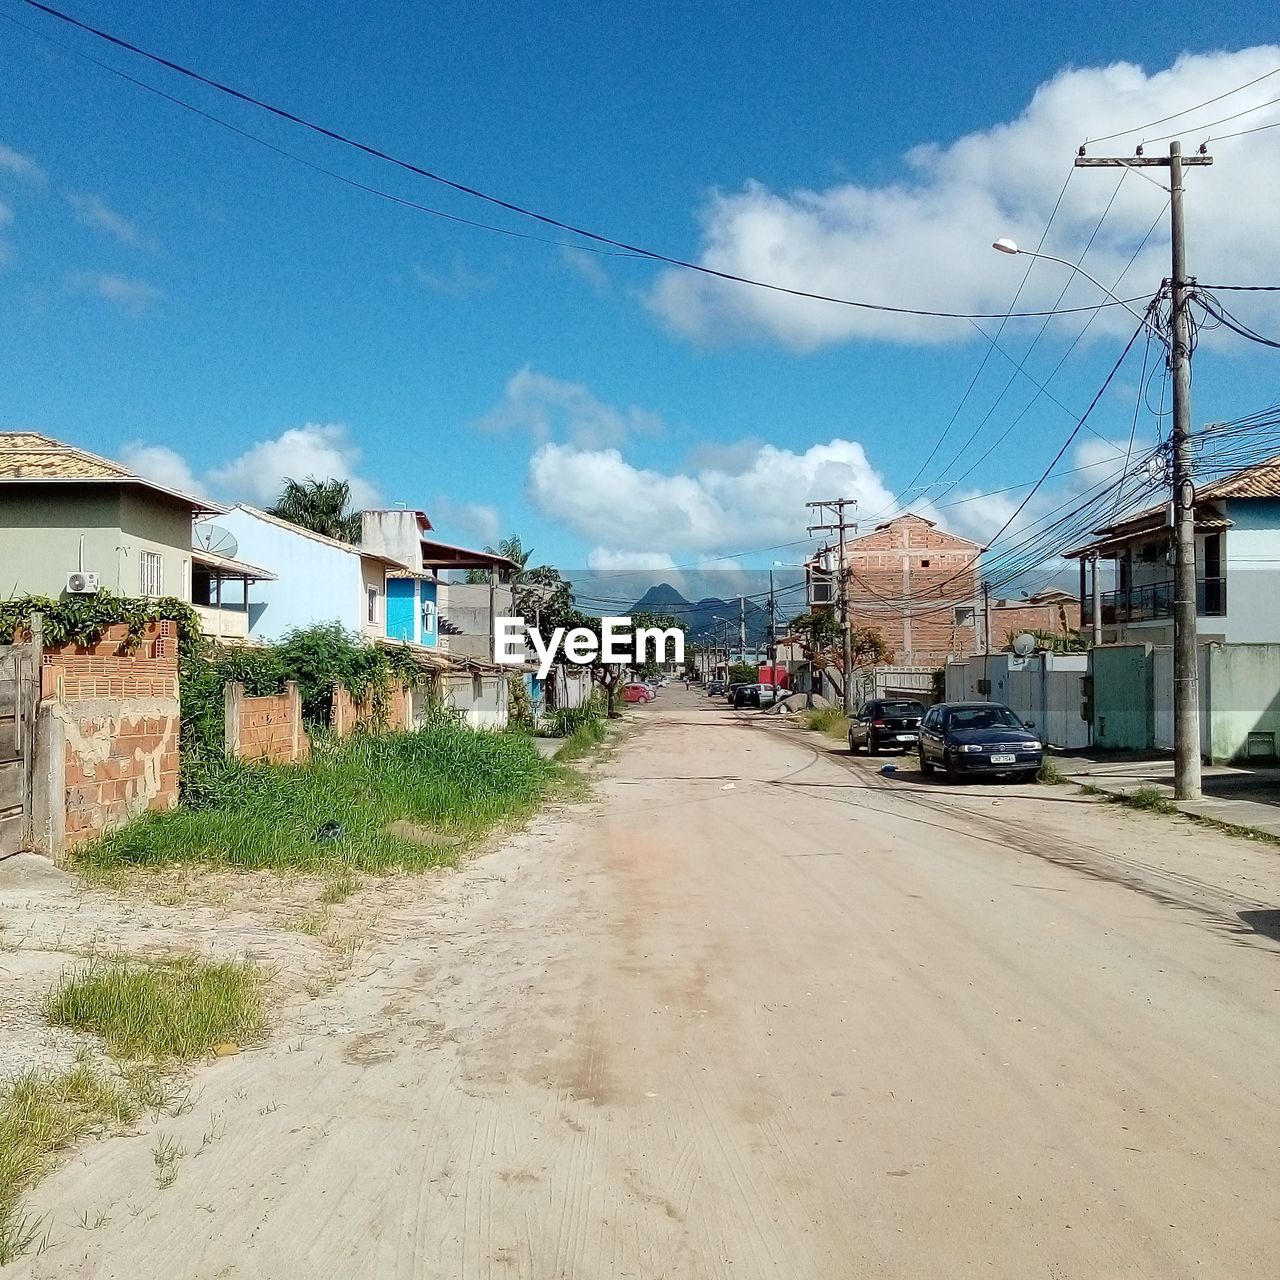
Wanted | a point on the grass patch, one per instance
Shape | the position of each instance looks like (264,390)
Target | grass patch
(176,1008)
(1150,798)
(829,720)
(1050,774)
(334,810)
(583,740)
(42,1114)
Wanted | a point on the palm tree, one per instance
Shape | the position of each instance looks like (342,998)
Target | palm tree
(512,549)
(321,506)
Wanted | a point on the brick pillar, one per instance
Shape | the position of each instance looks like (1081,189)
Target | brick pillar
(232,696)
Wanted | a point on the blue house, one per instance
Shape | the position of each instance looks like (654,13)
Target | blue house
(413,613)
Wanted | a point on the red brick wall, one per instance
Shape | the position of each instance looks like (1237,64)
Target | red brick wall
(1017,618)
(267,727)
(906,579)
(348,713)
(120,719)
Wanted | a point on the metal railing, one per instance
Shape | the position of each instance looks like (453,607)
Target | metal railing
(1155,600)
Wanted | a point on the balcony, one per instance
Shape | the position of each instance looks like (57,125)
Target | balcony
(222,624)
(1154,600)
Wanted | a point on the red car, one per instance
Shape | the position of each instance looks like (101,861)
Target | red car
(637,692)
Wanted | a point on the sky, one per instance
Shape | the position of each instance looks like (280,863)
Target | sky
(220,315)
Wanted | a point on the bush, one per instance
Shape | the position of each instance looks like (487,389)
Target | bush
(564,722)
(829,720)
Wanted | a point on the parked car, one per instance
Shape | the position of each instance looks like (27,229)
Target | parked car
(755,695)
(636,691)
(886,722)
(731,691)
(978,737)
(715,687)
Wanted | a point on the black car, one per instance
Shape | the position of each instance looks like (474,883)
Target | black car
(885,722)
(714,687)
(978,737)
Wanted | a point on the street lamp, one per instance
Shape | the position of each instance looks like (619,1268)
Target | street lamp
(1005,245)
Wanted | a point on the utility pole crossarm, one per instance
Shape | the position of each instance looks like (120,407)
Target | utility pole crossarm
(1135,162)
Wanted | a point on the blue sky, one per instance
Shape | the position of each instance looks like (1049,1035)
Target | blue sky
(187,299)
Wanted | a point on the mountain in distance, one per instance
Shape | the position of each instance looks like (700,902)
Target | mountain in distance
(700,618)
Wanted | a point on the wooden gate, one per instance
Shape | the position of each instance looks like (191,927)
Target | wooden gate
(19,696)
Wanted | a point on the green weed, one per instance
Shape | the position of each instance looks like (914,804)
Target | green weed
(1050,774)
(829,720)
(1150,798)
(42,1114)
(335,809)
(177,1008)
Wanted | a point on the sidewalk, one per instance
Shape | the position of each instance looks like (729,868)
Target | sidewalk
(1235,794)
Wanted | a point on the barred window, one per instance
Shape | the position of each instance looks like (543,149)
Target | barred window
(151,573)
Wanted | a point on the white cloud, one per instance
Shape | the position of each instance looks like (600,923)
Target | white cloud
(130,295)
(608,501)
(323,450)
(455,280)
(606,558)
(93,211)
(587,265)
(23,166)
(552,409)
(475,519)
(923,239)
(163,465)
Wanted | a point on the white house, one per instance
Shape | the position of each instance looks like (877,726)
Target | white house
(317,579)
(1237,521)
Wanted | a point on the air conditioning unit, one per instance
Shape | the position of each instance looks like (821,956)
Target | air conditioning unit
(82,584)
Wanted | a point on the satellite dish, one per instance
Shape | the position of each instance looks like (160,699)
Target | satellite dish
(1024,645)
(216,540)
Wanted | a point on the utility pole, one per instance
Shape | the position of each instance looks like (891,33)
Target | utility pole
(1097,604)
(835,507)
(1186,679)
(772,650)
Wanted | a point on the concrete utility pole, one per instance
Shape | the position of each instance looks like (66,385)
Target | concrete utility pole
(840,525)
(1186,678)
(1097,604)
(772,649)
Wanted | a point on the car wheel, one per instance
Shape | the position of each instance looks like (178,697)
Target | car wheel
(873,745)
(949,764)
(926,765)
(853,746)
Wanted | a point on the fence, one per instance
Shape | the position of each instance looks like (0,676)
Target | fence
(1046,689)
(264,727)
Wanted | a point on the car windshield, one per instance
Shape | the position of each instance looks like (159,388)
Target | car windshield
(983,718)
(902,708)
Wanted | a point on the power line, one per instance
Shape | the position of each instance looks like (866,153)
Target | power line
(1224,120)
(1151,124)
(523,210)
(1240,133)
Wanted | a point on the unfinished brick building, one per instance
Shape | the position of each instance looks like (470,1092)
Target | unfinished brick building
(918,586)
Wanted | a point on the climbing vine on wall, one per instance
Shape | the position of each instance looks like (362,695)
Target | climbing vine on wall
(84,620)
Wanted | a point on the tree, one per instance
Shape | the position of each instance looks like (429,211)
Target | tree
(319,505)
(511,549)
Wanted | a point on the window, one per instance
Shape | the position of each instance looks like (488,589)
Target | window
(371,595)
(428,616)
(924,564)
(1150,552)
(150,573)
(964,615)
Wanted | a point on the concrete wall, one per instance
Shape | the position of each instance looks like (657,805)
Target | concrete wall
(1242,691)
(317,582)
(40,528)
(106,737)
(481,699)
(466,605)
(394,532)
(1045,689)
(348,713)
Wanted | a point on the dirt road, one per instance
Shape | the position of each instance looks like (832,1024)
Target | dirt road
(752,1012)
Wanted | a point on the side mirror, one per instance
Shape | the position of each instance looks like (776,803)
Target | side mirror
(1028,724)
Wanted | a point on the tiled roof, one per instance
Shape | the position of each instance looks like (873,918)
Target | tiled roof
(1260,481)
(24,455)
(29,456)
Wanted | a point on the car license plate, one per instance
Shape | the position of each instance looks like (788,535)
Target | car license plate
(1004,759)
(906,737)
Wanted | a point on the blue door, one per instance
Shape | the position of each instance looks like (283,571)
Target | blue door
(402,609)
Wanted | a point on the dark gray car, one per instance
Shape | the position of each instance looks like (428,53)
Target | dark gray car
(886,724)
(966,738)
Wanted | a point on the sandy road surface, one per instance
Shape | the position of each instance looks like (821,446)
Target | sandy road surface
(820,1024)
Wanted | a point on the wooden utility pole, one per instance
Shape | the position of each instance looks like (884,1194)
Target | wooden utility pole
(1186,679)
(838,524)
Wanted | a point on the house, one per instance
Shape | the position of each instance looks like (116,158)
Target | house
(66,511)
(914,583)
(317,579)
(1049,610)
(1237,530)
